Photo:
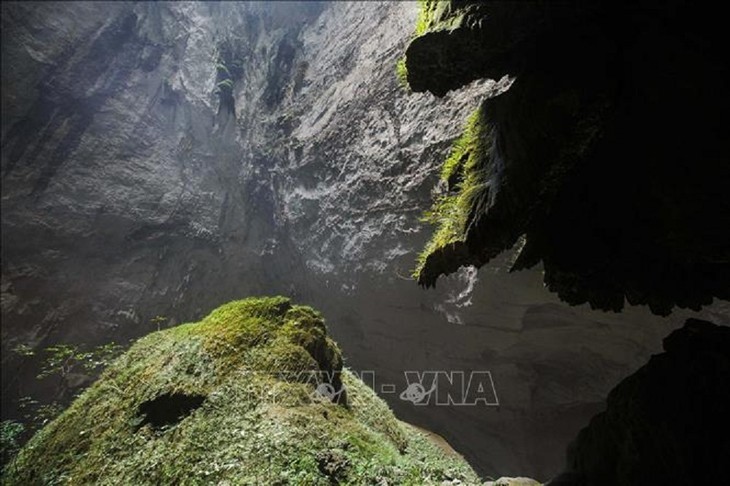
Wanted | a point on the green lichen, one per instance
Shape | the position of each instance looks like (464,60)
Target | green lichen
(252,424)
(465,174)
(402,72)
(427,14)
(427,17)
(439,15)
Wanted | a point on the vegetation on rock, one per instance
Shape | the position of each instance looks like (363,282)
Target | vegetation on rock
(401,71)
(11,432)
(592,171)
(230,399)
(466,175)
(229,68)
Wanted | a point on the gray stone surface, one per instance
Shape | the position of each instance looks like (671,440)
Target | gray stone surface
(127,193)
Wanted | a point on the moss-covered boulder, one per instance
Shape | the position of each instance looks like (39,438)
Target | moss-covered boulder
(605,160)
(249,395)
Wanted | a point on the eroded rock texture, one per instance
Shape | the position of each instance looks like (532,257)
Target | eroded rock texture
(131,190)
(665,424)
(161,158)
(607,154)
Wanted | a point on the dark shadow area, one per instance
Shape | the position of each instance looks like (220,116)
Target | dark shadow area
(169,409)
(665,424)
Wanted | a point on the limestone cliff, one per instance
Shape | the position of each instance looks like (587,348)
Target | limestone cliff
(159,159)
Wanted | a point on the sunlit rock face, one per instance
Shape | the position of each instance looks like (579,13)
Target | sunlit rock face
(587,157)
(137,183)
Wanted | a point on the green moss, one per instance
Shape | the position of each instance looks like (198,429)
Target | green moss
(427,15)
(434,53)
(438,15)
(402,72)
(254,426)
(465,174)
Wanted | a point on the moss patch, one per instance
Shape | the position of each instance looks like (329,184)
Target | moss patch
(593,172)
(425,16)
(401,71)
(222,401)
(432,15)
(466,174)
(437,15)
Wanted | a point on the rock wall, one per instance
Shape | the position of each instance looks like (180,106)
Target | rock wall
(586,159)
(135,184)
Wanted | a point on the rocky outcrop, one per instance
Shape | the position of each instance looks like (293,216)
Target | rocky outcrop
(665,424)
(234,398)
(312,186)
(135,185)
(604,159)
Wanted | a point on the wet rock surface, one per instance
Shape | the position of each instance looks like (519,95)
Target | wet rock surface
(128,194)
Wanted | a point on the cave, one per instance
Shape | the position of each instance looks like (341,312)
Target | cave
(199,198)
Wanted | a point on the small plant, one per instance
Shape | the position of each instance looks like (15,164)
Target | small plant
(158,321)
(223,72)
(23,350)
(10,439)
(225,86)
(63,359)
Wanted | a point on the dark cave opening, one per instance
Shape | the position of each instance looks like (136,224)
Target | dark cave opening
(169,409)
